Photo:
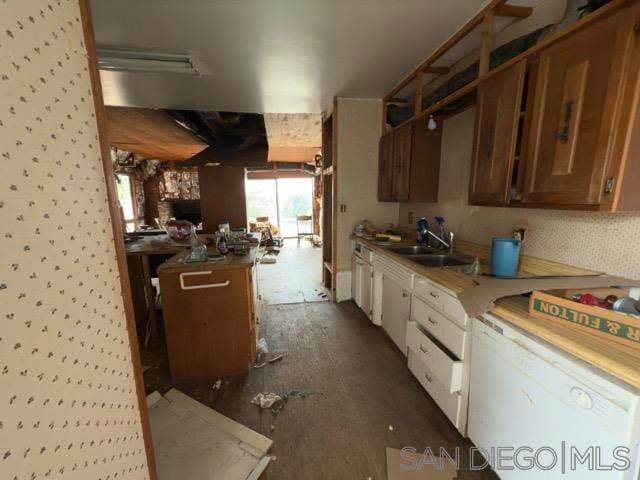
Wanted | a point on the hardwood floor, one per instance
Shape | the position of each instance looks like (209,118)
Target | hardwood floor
(363,386)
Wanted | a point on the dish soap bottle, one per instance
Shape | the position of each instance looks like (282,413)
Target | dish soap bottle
(475,268)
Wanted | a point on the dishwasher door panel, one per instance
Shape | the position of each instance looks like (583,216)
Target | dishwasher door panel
(519,400)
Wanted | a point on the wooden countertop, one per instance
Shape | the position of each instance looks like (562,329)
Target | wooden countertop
(230,261)
(620,361)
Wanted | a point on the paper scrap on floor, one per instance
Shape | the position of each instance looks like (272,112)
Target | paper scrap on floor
(409,466)
(192,441)
(268,258)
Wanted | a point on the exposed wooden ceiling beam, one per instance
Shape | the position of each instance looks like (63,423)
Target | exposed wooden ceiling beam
(514,11)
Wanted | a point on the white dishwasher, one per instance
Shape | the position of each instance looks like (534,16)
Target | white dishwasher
(532,402)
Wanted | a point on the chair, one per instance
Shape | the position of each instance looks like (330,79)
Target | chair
(305,226)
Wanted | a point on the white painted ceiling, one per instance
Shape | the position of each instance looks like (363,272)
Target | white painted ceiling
(279,56)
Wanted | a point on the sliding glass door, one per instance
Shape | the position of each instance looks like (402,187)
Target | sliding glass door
(282,200)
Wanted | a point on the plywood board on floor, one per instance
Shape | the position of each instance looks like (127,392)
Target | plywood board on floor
(192,441)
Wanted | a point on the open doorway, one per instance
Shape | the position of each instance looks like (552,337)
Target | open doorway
(283,207)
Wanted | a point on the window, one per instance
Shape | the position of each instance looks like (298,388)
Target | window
(126,198)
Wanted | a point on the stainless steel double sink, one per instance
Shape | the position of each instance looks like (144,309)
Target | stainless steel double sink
(429,257)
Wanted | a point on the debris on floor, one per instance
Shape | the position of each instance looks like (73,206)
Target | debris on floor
(266,400)
(277,358)
(268,258)
(193,441)
(277,402)
(422,465)
(217,385)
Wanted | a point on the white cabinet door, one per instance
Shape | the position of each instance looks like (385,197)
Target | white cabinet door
(357,296)
(366,288)
(355,279)
(396,306)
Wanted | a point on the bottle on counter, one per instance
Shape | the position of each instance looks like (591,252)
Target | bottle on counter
(223,246)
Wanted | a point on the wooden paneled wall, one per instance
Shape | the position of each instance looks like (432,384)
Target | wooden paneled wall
(222,197)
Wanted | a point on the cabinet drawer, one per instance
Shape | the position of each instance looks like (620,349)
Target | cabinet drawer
(450,403)
(447,370)
(451,336)
(441,300)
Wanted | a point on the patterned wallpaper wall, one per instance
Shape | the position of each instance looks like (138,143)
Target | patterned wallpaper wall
(68,405)
(599,241)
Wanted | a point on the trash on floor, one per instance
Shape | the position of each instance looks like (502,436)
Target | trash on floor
(266,400)
(276,402)
(277,358)
(268,258)
(193,441)
(274,359)
(425,465)
(217,385)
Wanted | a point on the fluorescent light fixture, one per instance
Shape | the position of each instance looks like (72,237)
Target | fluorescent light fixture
(121,59)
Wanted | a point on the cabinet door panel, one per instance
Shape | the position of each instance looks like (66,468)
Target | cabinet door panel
(498,113)
(575,98)
(402,163)
(385,168)
(366,288)
(396,305)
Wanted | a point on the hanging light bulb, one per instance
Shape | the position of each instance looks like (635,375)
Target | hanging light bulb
(431,124)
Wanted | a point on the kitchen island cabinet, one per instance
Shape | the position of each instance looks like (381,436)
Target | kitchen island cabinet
(210,314)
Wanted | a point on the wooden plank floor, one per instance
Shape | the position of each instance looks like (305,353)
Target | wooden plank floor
(363,386)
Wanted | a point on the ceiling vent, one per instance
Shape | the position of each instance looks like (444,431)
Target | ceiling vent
(121,59)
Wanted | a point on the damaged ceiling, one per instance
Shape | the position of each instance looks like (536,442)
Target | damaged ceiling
(293,137)
(179,135)
(151,134)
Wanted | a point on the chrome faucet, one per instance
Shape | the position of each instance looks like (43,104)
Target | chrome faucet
(448,245)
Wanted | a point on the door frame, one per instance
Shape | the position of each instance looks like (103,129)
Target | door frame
(118,234)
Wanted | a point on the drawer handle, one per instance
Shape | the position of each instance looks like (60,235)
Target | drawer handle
(405,294)
(432,321)
(196,287)
(422,349)
(433,295)
(429,379)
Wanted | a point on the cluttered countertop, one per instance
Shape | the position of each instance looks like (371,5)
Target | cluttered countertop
(620,361)
(230,260)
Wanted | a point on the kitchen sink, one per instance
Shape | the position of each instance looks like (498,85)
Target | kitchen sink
(440,260)
(410,250)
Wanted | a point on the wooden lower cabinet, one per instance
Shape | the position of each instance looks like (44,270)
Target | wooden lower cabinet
(210,320)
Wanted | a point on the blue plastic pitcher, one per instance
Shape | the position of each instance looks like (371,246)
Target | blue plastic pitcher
(505,253)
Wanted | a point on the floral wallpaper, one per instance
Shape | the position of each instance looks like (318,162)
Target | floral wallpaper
(68,406)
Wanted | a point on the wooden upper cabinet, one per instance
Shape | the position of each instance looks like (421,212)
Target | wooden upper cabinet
(425,162)
(496,131)
(409,163)
(385,168)
(574,114)
(401,163)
